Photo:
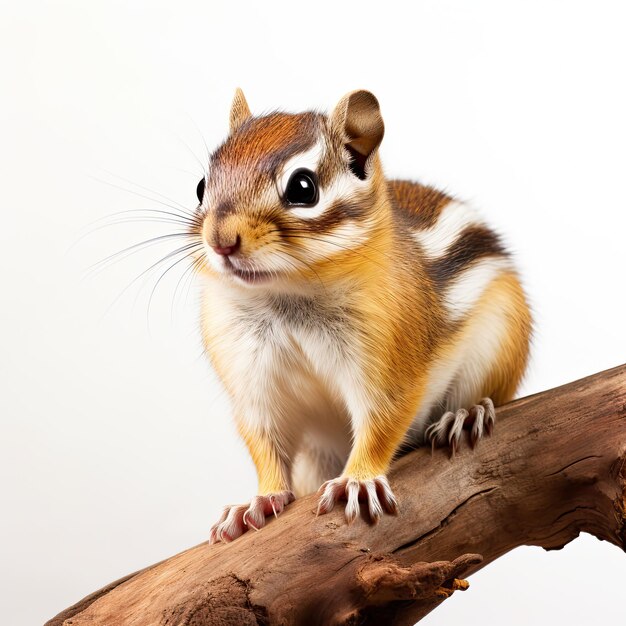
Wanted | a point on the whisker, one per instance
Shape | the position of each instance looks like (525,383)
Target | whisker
(135,215)
(194,155)
(148,211)
(198,263)
(185,211)
(167,257)
(189,272)
(126,252)
(199,131)
(196,271)
(167,271)
(152,191)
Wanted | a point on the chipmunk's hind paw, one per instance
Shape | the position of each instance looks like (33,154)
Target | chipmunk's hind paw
(480,418)
(376,492)
(237,519)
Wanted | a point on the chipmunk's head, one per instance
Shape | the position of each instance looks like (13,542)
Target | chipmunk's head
(287,197)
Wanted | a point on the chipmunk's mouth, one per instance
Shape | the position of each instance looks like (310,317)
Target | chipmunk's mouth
(247,274)
(251,276)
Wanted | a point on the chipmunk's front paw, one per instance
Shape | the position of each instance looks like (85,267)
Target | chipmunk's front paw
(448,429)
(375,491)
(237,519)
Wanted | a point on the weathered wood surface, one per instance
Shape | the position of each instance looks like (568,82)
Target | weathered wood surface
(555,466)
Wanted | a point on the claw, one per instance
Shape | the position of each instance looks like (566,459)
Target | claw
(236,520)
(352,507)
(376,492)
(490,414)
(373,503)
(449,428)
(272,502)
(248,522)
(479,423)
(454,434)
(386,496)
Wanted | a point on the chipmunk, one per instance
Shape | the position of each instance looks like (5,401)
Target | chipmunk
(346,314)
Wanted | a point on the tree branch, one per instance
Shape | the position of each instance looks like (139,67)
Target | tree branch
(555,466)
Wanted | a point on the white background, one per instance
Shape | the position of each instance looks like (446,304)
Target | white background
(116,444)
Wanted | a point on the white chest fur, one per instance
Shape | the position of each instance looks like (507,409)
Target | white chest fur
(286,354)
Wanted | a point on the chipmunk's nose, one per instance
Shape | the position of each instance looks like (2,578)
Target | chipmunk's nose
(227,250)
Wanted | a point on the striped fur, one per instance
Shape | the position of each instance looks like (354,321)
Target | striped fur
(370,315)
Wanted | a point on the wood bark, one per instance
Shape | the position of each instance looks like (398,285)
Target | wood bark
(554,467)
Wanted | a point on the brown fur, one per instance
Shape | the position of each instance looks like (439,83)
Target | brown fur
(374,294)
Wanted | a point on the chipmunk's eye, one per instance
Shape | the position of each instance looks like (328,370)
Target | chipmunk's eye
(200,190)
(302,188)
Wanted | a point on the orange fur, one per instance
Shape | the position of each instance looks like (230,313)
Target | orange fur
(271,469)
(390,306)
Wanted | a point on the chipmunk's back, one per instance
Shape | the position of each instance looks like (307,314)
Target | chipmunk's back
(459,252)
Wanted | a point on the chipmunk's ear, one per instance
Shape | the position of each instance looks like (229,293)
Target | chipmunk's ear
(357,116)
(239,110)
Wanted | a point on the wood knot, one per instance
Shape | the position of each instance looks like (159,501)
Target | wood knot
(382,580)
